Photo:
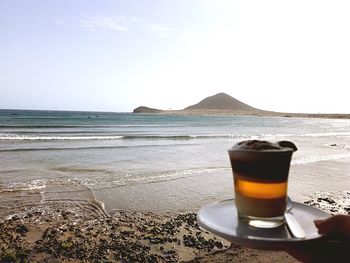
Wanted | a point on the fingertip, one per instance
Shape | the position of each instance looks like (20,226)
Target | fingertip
(324,225)
(319,222)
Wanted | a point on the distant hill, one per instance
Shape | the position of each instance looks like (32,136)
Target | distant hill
(223,104)
(143,109)
(220,104)
(221,101)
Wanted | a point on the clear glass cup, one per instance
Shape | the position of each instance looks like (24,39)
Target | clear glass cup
(260,181)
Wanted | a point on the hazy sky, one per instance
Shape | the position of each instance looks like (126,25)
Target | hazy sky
(116,55)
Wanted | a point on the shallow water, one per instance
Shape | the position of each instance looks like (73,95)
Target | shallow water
(153,162)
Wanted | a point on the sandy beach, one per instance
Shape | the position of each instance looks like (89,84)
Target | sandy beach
(67,234)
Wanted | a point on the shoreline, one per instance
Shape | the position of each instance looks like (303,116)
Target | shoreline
(73,234)
(260,113)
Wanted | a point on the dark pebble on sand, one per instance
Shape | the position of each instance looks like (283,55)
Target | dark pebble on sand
(29,215)
(21,229)
(155,240)
(219,244)
(347,209)
(15,218)
(170,252)
(325,199)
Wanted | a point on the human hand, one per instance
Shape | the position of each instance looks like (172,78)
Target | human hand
(338,225)
(334,247)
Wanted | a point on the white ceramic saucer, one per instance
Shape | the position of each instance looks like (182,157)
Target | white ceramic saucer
(221,219)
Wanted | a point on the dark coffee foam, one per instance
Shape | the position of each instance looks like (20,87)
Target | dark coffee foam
(260,145)
(262,160)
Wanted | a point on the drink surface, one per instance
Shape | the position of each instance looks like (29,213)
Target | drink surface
(266,146)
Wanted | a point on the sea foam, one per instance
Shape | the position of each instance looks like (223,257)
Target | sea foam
(16,137)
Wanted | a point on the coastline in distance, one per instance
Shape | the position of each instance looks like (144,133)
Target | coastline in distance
(224,104)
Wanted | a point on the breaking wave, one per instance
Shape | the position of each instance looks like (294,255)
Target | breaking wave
(21,137)
(16,137)
(37,184)
(313,159)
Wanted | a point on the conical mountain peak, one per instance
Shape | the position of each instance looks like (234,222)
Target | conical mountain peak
(221,101)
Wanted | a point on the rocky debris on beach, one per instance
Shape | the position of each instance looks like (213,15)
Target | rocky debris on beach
(64,236)
(73,235)
(332,203)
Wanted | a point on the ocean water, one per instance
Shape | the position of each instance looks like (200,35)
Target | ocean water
(151,162)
